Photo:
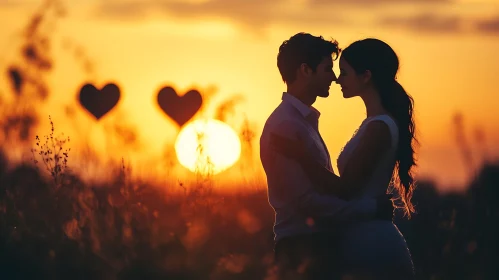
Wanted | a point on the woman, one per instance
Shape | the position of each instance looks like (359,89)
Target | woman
(378,159)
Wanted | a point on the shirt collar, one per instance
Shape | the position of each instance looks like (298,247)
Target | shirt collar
(306,111)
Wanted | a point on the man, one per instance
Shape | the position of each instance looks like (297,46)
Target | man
(303,245)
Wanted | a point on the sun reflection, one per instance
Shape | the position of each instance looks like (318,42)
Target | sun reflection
(207,146)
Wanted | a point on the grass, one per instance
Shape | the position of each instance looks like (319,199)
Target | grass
(54,226)
(64,228)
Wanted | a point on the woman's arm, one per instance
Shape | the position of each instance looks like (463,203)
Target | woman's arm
(373,145)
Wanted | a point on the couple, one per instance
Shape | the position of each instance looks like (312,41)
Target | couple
(329,226)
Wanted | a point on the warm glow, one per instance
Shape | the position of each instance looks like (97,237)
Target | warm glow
(204,45)
(207,146)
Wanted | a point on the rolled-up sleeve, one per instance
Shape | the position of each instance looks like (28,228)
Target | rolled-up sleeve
(289,185)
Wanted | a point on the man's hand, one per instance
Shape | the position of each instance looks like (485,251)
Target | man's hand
(384,208)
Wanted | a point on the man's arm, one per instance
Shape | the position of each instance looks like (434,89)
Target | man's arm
(375,142)
(365,158)
(289,183)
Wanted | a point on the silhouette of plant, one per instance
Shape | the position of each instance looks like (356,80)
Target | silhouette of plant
(53,157)
(28,76)
(462,143)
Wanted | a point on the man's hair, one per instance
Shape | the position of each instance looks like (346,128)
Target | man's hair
(304,48)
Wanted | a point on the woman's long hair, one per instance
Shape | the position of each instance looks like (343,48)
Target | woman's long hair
(380,59)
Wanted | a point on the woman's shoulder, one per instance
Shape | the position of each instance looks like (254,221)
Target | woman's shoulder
(384,118)
(383,122)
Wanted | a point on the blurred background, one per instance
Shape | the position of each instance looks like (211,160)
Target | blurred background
(109,195)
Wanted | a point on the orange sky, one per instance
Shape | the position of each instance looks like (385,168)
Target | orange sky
(448,51)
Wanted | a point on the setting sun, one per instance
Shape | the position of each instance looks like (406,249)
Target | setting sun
(207,146)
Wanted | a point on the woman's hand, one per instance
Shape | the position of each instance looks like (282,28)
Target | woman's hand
(287,147)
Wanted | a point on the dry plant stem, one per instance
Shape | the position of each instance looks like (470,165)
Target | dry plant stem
(53,155)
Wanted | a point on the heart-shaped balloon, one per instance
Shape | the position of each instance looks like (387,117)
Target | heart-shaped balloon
(179,108)
(99,102)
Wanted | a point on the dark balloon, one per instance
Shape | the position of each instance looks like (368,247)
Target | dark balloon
(99,102)
(179,108)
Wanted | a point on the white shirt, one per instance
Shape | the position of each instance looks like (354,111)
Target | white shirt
(290,191)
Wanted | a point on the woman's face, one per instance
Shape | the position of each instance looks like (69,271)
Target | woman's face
(352,84)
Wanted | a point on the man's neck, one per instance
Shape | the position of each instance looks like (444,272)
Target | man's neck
(300,95)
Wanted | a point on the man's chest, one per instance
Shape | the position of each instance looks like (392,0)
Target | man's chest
(316,146)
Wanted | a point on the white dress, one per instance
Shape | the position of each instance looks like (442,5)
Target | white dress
(376,247)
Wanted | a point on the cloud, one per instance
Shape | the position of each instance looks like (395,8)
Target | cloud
(443,24)
(11,3)
(490,25)
(429,23)
(370,3)
(256,15)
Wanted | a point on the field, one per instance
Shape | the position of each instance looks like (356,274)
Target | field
(54,226)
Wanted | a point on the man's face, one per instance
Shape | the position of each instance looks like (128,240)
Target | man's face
(320,81)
